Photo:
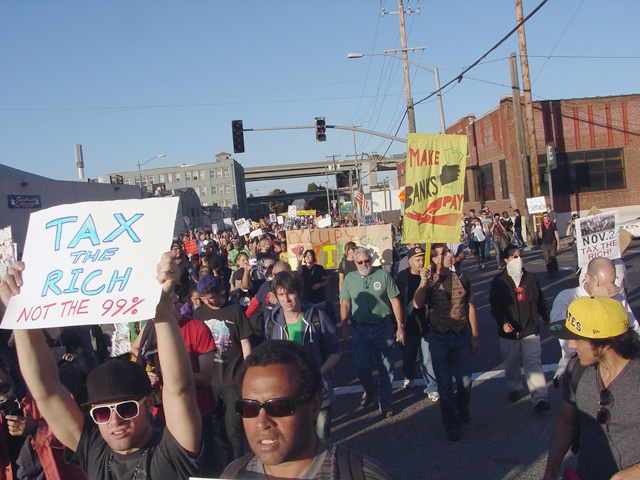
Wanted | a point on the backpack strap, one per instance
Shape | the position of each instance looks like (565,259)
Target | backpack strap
(349,464)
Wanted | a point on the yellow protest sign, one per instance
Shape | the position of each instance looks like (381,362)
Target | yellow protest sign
(434,188)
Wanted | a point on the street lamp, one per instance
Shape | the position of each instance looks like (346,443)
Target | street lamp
(434,72)
(140,171)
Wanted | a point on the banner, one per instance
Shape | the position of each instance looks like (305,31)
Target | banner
(328,243)
(92,263)
(434,188)
(597,236)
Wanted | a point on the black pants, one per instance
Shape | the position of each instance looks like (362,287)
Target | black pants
(549,254)
(227,426)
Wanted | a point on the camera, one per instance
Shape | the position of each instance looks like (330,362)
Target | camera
(11,406)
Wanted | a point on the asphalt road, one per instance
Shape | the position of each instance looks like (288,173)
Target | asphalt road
(504,440)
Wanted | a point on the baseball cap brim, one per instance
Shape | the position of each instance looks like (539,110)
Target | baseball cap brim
(560,330)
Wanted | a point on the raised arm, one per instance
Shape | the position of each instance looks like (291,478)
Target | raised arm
(40,373)
(179,392)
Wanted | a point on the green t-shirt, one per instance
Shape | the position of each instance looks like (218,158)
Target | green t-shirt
(294,330)
(369,296)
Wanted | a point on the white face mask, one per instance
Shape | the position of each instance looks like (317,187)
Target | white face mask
(514,267)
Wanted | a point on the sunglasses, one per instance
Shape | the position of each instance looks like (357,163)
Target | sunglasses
(363,262)
(276,407)
(604,414)
(126,410)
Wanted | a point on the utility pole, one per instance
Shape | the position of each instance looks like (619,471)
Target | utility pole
(522,149)
(528,104)
(336,201)
(411,118)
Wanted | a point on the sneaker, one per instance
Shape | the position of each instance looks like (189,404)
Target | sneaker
(541,406)
(513,395)
(433,396)
(386,412)
(367,398)
(408,383)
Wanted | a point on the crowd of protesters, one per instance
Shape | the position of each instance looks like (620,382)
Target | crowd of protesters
(225,294)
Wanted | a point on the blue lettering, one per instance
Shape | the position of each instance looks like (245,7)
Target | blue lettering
(90,277)
(58,224)
(91,256)
(50,284)
(107,253)
(122,280)
(72,285)
(125,226)
(87,231)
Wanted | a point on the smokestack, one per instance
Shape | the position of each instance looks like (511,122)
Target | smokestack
(79,161)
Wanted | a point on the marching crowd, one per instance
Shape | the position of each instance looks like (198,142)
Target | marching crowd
(242,348)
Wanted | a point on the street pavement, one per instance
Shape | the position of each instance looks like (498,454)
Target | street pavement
(503,440)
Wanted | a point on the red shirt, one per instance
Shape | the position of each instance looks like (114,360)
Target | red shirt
(198,339)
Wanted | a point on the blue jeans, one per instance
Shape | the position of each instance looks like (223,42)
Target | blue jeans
(497,246)
(451,357)
(379,340)
(517,234)
(412,345)
(487,247)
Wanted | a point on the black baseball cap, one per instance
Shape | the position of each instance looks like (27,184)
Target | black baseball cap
(116,380)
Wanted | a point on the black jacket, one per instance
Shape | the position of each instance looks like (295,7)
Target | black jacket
(523,316)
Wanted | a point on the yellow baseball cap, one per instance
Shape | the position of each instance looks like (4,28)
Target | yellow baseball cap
(592,318)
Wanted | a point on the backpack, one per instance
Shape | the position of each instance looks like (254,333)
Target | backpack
(349,465)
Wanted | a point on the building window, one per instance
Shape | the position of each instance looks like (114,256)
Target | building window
(220,173)
(483,179)
(187,175)
(144,181)
(137,180)
(127,181)
(202,174)
(169,177)
(197,190)
(227,172)
(150,179)
(161,178)
(586,171)
(212,173)
(177,177)
(214,190)
(503,179)
(195,174)
(203,190)
(227,188)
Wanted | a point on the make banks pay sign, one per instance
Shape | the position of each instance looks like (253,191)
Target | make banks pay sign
(92,263)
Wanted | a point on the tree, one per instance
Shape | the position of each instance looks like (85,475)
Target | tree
(317,203)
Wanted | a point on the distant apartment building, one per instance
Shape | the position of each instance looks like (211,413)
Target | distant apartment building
(220,185)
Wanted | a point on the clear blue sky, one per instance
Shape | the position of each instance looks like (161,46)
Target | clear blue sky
(130,80)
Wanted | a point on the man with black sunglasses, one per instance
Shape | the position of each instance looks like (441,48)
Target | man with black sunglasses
(600,400)
(117,440)
(281,394)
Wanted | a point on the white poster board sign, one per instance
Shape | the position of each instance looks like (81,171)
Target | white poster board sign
(598,236)
(324,222)
(242,226)
(293,210)
(256,233)
(280,220)
(536,205)
(92,262)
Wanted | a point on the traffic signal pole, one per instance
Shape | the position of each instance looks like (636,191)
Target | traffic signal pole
(337,127)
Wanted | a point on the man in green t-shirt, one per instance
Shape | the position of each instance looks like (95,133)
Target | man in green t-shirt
(369,297)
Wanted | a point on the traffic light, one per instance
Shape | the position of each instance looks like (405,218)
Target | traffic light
(321,129)
(238,136)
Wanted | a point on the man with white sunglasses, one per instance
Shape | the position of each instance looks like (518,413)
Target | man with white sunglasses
(117,439)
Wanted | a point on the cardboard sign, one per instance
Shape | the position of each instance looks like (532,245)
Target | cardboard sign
(536,205)
(7,252)
(598,236)
(328,243)
(434,188)
(92,262)
(191,247)
(242,226)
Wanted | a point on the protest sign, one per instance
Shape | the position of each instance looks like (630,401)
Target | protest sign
(292,211)
(536,205)
(597,236)
(256,233)
(7,252)
(191,247)
(92,263)
(369,219)
(434,190)
(272,217)
(324,222)
(328,243)
(280,220)
(242,226)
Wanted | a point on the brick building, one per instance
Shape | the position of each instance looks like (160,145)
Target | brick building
(598,155)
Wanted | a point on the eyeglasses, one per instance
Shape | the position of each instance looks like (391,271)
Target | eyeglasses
(604,414)
(268,266)
(276,407)
(363,262)
(126,410)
